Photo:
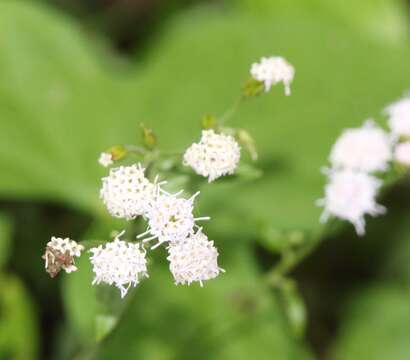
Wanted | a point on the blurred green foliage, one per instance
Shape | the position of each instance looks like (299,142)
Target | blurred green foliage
(376,325)
(63,100)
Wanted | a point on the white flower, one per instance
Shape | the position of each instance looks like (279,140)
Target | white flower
(127,193)
(193,259)
(399,117)
(60,254)
(105,159)
(215,155)
(351,195)
(402,153)
(170,219)
(273,70)
(367,149)
(119,263)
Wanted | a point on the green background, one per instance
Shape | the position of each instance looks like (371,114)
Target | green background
(76,78)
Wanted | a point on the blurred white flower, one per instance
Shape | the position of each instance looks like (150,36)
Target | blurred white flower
(367,149)
(215,155)
(399,117)
(350,195)
(105,159)
(402,153)
(119,263)
(193,259)
(60,254)
(170,218)
(127,193)
(273,70)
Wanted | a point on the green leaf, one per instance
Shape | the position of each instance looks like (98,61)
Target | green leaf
(376,326)
(80,300)
(382,20)
(231,317)
(60,120)
(18,321)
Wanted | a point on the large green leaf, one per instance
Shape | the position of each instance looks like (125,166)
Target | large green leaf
(232,317)
(63,106)
(377,326)
(18,321)
(382,20)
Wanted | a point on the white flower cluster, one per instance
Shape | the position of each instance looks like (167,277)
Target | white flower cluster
(272,70)
(214,156)
(352,189)
(193,259)
(402,153)
(127,193)
(399,122)
(119,263)
(399,117)
(191,256)
(350,195)
(359,153)
(170,218)
(366,149)
(60,254)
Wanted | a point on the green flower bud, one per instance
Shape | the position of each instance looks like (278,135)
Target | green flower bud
(148,137)
(117,152)
(253,88)
(208,122)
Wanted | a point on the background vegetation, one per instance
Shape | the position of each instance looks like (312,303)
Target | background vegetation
(78,76)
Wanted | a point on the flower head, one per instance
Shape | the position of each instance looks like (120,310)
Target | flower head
(105,159)
(351,195)
(170,218)
(273,70)
(367,149)
(399,117)
(126,192)
(215,155)
(402,153)
(60,254)
(193,259)
(119,263)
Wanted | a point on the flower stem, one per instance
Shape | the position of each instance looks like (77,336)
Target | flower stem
(231,111)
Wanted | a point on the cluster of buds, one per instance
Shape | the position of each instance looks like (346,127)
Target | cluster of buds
(357,159)
(127,192)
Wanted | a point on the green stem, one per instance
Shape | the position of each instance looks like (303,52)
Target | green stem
(231,111)
(292,258)
(136,149)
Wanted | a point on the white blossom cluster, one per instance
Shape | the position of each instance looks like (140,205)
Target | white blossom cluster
(402,153)
(350,195)
(399,121)
(352,187)
(273,70)
(357,157)
(367,149)
(193,259)
(214,156)
(399,117)
(119,263)
(127,193)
